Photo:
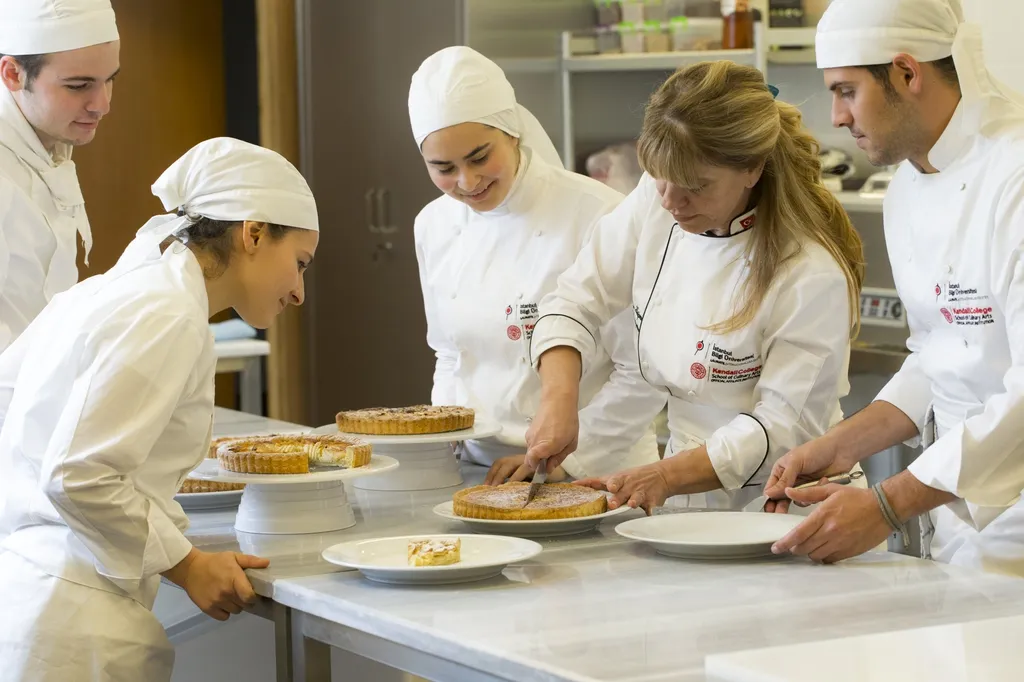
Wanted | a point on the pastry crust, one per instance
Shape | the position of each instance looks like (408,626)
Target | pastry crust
(194,485)
(505,502)
(434,552)
(405,421)
(216,443)
(292,454)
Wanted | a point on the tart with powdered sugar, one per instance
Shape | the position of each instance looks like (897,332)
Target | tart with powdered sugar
(405,421)
(434,552)
(292,454)
(507,502)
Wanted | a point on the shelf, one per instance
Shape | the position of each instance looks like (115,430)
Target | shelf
(791,37)
(860,203)
(524,65)
(656,61)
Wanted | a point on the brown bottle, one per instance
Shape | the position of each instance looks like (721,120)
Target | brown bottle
(737,25)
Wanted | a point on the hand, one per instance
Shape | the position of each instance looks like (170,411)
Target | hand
(553,434)
(809,462)
(848,522)
(644,486)
(514,469)
(216,582)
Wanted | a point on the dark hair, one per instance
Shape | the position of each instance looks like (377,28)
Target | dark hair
(945,67)
(214,237)
(32,64)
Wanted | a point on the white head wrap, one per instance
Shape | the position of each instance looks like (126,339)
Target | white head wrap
(460,85)
(226,179)
(45,26)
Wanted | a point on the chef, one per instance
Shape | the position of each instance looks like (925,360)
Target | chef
(510,221)
(909,82)
(741,272)
(58,60)
(112,407)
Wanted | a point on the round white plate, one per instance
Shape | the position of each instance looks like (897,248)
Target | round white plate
(225,499)
(479,430)
(210,470)
(711,535)
(386,560)
(529,529)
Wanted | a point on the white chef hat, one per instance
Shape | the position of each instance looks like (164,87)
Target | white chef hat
(869,32)
(460,85)
(227,179)
(44,26)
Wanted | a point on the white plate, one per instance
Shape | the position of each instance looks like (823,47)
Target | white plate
(529,529)
(385,559)
(209,470)
(479,430)
(225,499)
(711,535)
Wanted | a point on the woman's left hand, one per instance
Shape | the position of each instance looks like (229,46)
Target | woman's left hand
(645,486)
(514,469)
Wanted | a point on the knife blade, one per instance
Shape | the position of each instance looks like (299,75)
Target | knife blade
(539,476)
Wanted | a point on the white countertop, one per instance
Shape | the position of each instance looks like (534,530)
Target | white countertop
(618,611)
(965,652)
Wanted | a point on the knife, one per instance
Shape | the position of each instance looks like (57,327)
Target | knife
(841,479)
(539,476)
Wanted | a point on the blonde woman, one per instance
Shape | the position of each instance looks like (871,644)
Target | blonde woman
(743,275)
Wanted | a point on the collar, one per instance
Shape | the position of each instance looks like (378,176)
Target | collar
(953,141)
(739,225)
(18,134)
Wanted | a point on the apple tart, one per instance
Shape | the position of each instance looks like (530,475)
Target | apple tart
(292,454)
(507,502)
(405,421)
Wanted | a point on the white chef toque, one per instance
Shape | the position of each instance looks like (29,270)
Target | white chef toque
(30,27)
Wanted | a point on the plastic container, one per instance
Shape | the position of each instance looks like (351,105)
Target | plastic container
(737,25)
(584,42)
(632,11)
(608,40)
(675,8)
(657,37)
(608,12)
(655,10)
(632,37)
(694,36)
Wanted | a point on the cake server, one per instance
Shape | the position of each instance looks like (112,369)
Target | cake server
(539,476)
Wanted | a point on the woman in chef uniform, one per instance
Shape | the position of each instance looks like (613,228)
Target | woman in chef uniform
(112,406)
(510,221)
(742,273)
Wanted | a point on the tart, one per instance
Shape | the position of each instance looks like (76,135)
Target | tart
(194,485)
(507,502)
(216,443)
(435,552)
(405,421)
(292,454)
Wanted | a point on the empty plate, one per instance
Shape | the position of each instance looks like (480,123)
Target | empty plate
(225,499)
(711,535)
(386,559)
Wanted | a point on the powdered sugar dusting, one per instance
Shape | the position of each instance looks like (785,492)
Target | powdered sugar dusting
(513,496)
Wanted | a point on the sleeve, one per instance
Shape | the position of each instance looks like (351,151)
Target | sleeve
(443,391)
(621,413)
(119,407)
(805,358)
(981,461)
(910,389)
(598,285)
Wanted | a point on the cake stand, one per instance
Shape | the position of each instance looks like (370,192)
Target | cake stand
(428,460)
(286,504)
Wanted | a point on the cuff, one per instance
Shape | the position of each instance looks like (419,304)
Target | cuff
(738,450)
(554,330)
(166,545)
(912,397)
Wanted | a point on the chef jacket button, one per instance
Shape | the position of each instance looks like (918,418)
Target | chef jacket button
(963,186)
(454,295)
(522,360)
(949,269)
(691,393)
(519,296)
(646,365)
(540,233)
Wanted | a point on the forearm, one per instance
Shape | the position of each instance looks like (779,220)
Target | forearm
(177,573)
(690,472)
(560,370)
(909,497)
(877,427)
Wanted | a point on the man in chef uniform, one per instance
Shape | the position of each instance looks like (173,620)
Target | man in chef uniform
(58,60)
(909,82)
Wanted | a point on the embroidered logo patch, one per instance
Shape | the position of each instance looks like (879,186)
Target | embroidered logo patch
(514,332)
(946,314)
(698,371)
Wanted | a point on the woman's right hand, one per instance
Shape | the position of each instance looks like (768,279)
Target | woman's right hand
(808,462)
(216,581)
(554,432)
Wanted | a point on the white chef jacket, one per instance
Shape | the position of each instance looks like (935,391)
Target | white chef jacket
(112,407)
(483,276)
(955,240)
(42,212)
(750,395)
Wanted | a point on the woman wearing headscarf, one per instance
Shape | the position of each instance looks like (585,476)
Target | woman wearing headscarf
(743,274)
(109,405)
(510,221)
